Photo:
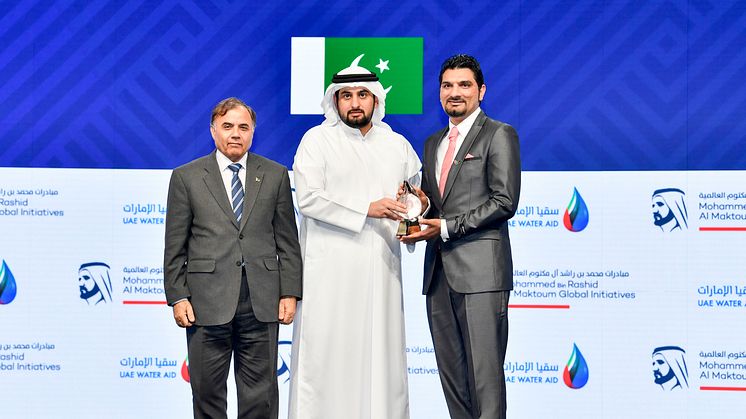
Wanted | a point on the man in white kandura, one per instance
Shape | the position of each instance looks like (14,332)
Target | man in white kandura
(348,359)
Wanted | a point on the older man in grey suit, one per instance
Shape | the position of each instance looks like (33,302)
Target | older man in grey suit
(472,177)
(232,266)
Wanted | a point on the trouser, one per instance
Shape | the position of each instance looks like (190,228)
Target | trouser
(253,346)
(470,336)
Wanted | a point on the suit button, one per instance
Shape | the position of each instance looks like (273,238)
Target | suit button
(240,236)
(238,263)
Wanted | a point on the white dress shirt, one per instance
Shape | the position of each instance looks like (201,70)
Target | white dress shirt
(463,130)
(227,174)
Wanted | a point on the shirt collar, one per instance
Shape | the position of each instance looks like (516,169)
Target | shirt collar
(224,162)
(466,124)
(355,132)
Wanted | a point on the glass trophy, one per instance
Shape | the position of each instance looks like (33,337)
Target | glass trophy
(409,224)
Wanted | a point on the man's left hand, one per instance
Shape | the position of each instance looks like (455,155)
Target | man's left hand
(420,194)
(287,310)
(431,231)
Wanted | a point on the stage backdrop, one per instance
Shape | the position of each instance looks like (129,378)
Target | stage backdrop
(630,280)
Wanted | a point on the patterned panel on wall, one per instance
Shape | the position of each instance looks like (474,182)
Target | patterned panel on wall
(590,85)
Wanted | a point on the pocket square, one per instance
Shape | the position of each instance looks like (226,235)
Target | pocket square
(470,156)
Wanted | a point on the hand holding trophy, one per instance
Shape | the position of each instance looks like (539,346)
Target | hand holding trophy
(409,198)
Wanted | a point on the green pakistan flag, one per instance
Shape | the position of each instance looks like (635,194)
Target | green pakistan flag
(396,61)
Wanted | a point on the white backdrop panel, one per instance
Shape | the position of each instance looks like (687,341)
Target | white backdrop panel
(616,290)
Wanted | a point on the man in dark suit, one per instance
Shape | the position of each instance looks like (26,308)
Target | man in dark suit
(472,177)
(232,266)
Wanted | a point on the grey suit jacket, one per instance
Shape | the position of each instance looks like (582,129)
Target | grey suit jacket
(481,195)
(205,246)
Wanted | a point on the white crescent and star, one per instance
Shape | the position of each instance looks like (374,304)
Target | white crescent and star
(383,65)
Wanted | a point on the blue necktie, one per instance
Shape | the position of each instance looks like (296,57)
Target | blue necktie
(236,191)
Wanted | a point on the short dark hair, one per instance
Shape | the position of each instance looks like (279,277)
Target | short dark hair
(463,61)
(225,105)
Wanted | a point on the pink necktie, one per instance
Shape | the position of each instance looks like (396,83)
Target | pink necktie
(448,159)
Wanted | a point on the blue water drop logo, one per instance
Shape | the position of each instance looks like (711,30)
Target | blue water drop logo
(8,286)
(576,215)
(576,371)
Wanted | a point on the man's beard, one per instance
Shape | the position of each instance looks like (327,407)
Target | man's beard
(359,122)
(661,221)
(660,378)
(453,112)
(86,294)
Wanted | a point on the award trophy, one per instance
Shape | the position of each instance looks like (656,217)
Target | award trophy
(409,224)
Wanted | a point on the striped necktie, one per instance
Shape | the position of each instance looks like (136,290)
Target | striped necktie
(236,191)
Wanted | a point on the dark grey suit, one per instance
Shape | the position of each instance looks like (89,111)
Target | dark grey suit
(233,276)
(468,278)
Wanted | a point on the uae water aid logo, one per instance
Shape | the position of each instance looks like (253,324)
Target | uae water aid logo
(576,371)
(185,370)
(7,285)
(576,214)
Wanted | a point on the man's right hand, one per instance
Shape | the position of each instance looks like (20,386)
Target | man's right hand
(430,230)
(183,313)
(387,208)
